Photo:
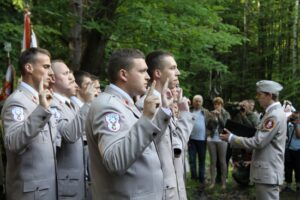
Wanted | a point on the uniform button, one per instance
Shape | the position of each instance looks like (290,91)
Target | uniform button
(154,134)
(37,188)
(167,186)
(43,118)
(166,120)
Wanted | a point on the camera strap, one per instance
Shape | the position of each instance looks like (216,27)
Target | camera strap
(290,139)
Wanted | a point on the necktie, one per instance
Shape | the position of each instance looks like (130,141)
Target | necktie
(70,105)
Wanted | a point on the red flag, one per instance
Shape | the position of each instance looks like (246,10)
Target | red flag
(8,81)
(29,38)
(27,32)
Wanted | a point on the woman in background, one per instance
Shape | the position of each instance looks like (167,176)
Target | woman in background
(216,147)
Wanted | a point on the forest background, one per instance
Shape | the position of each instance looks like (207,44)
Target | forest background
(222,47)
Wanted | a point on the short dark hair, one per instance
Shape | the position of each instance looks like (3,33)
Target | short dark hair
(94,77)
(79,76)
(122,59)
(29,56)
(154,60)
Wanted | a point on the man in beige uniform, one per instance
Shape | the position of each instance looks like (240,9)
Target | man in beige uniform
(30,131)
(124,160)
(268,144)
(162,66)
(83,80)
(70,126)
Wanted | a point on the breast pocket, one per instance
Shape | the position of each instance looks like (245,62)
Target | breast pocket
(68,183)
(37,189)
(261,170)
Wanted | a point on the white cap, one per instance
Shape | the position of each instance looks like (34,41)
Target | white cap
(268,86)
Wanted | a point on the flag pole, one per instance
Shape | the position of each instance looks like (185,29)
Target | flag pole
(8,49)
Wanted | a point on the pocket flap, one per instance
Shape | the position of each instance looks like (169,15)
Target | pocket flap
(30,186)
(68,174)
(261,164)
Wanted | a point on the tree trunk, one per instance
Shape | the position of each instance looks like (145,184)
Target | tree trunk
(295,45)
(75,35)
(295,37)
(93,54)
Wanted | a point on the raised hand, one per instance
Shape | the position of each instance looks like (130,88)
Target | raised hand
(45,95)
(89,93)
(225,135)
(183,102)
(151,102)
(166,96)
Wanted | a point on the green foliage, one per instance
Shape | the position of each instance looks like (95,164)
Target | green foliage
(193,32)
(219,45)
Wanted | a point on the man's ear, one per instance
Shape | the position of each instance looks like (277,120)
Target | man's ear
(123,74)
(156,74)
(28,68)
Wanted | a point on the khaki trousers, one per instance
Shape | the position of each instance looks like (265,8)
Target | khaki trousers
(267,192)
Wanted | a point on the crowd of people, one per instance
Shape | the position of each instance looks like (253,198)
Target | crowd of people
(266,159)
(65,139)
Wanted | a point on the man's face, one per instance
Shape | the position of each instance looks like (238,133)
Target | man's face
(41,70)
(97,87)
(49,80)
(62,78)
(85,83)
(264,99)
(169,70)
(137,77)
(73,89)
(197,102)
(245,105)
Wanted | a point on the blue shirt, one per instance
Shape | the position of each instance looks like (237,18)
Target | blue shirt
(199,130)
(295,143)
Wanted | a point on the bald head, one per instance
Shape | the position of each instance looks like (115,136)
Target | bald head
(62,77)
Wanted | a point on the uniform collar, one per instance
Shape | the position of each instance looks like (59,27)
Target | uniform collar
(272,106)
(61,98)
(112,88)
(124,97)
(30,89)
(77,101)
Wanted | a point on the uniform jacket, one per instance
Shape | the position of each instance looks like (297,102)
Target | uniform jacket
(183,127)
(29,135)
(70,152)
(124,160)
(267,166)
(171,146)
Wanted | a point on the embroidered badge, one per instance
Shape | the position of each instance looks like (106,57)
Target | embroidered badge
(18,113)
(55,113)
(269,124)
(112,120)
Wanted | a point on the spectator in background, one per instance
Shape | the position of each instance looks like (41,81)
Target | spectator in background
(242,158)
(216,147)
(197,142)
(252,108)
(292,152)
